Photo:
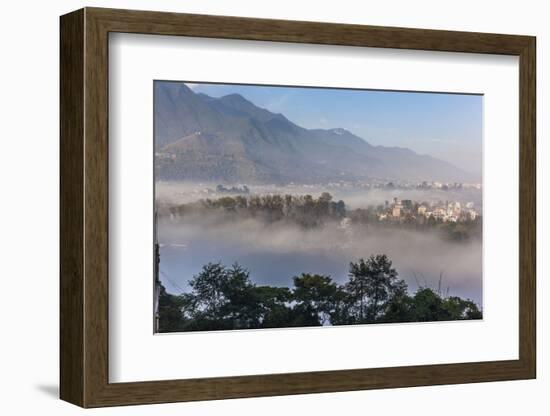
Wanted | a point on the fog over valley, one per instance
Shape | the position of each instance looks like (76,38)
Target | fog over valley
(355,195)
(276,252)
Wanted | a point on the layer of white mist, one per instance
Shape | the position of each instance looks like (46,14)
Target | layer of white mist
(277,252)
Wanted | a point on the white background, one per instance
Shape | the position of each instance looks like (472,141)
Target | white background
(29,209)
(136,355)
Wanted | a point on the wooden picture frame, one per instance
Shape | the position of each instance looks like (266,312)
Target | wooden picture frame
(84,207)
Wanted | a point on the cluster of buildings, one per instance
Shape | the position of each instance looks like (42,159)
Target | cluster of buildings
(403,184)
(447,211)
(446,186)
(235,190)
(165,156)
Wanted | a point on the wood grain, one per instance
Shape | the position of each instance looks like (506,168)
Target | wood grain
(72,368)
(84,207)
(527,208)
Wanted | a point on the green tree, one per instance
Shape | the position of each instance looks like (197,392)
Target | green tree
(399,309)
(207,288)
(428,306)
(459,308)
(273,309)
(372,283)
(338,209)
(240,305)
(169,311)
(315,298)
(221,298)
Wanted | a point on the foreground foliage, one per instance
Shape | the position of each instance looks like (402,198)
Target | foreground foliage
(225,298)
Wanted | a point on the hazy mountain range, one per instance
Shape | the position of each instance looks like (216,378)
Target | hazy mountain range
(229,139)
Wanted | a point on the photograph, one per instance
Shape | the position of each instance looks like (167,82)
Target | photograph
(299,206)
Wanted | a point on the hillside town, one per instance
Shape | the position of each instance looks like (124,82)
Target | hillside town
(445,211)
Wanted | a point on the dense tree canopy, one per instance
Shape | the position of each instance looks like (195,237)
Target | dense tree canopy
(303,210)
(225,298)
(309,212)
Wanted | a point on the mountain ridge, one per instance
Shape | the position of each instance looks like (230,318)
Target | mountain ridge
(230,139)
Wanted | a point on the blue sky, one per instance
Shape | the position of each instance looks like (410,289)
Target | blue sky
(447,126)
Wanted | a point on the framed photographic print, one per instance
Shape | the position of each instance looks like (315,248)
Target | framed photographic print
(260,207)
